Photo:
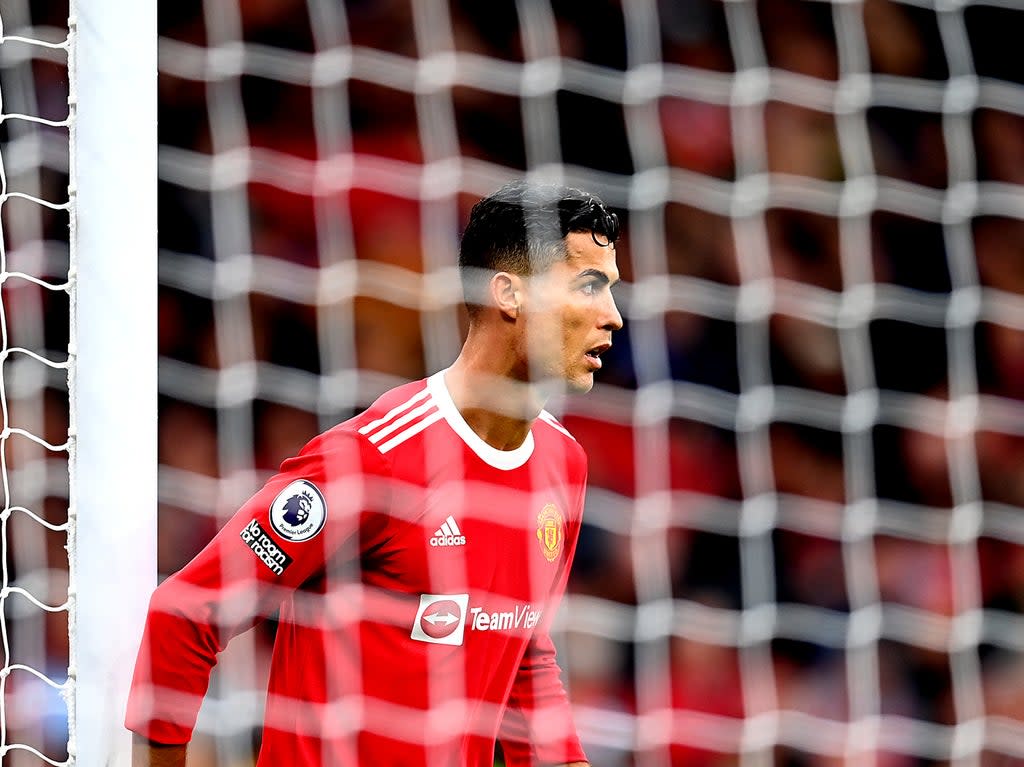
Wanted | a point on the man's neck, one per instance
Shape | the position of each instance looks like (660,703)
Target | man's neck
(497,406)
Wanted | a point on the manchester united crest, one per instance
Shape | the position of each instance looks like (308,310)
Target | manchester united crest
(550,532)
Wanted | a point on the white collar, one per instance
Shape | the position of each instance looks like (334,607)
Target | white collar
(499,459)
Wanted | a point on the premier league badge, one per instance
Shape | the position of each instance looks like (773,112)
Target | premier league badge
(299,511)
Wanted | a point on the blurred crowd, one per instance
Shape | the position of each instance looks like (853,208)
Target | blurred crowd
(914,472)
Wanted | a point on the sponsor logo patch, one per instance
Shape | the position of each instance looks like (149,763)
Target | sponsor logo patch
(299,511)
(444,619)
(268,552)
(441,619)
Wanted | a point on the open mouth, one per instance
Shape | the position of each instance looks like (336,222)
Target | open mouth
(596,352)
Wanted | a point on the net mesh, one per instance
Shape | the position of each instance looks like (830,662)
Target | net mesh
(803,507)
(35,690)
(804,531)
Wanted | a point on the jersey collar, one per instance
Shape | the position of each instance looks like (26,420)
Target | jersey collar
(499,459)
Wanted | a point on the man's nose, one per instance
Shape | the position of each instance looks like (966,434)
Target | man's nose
(611,319)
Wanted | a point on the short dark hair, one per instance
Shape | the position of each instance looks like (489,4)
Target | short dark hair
(521,228)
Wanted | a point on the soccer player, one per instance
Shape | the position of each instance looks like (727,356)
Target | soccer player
(417,552)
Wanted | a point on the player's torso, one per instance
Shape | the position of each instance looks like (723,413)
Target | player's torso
(479,553)
(472,539)
(452,579)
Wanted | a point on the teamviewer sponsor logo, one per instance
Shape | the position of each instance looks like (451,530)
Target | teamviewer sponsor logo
(520,617)
(448,534)
(441,619)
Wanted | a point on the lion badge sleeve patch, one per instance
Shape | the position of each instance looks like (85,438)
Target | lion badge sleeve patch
(299,512)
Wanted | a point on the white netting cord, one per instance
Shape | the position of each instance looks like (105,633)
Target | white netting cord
(32,468)
(871,621)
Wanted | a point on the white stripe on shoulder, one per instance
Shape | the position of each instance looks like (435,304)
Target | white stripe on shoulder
(412,431)
(424,392)
(398,423)
(552,421)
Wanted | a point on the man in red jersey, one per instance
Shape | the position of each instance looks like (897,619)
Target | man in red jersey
(417,552)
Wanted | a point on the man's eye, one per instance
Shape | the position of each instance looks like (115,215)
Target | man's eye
(589,288)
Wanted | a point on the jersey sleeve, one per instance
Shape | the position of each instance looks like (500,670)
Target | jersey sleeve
(538,726)
(319,510)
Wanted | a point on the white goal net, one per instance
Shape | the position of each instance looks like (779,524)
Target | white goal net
(804,538)
(35,690)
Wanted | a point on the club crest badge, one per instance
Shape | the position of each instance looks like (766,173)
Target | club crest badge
(299,511)
(550,532)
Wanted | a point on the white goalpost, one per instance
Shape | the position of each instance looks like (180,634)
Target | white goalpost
(114,371)
(78,373)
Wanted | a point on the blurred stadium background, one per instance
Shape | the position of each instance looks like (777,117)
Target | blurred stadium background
(805,539)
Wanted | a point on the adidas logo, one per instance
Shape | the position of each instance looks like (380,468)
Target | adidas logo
(448,534)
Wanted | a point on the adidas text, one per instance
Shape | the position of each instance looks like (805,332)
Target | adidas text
(448,540)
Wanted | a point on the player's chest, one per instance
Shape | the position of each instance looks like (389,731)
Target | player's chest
(498,539)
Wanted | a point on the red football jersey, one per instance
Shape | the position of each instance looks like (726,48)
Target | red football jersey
(416,570)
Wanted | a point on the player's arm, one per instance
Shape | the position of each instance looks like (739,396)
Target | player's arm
(538,727)
(250,567)
(146,753)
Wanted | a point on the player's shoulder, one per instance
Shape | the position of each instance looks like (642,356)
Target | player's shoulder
(547,420)
(551,427)
(404,397)
(361,432)
(396,416)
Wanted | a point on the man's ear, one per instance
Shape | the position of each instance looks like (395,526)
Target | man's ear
(506,291)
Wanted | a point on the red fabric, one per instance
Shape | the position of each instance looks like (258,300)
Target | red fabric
(352,680)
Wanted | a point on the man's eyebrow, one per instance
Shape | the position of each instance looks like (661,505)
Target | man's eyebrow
(596,274)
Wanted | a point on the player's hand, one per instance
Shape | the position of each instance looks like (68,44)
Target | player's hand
(147,753)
